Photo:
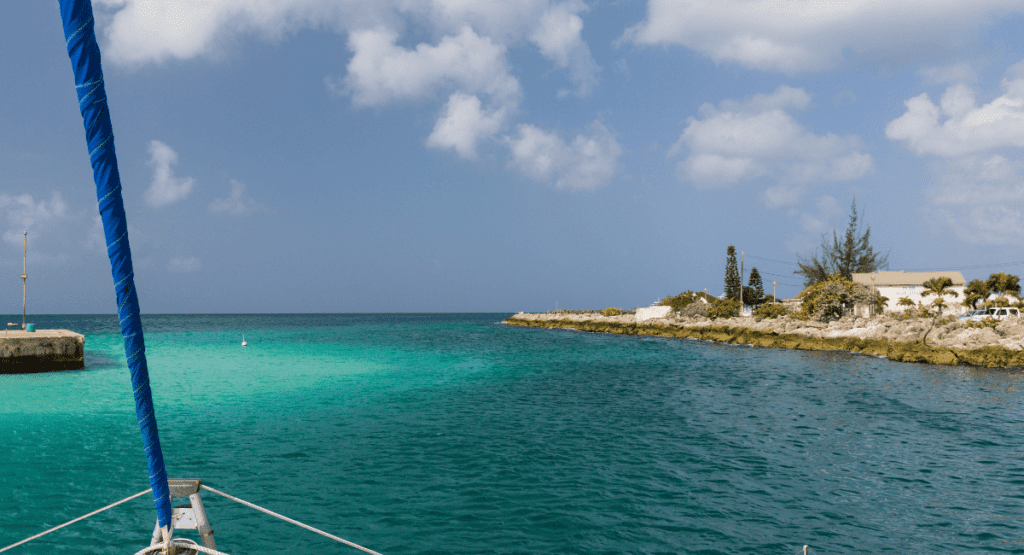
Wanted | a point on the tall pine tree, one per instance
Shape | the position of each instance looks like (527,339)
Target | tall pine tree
(733,281)
(753,295)
(853,255)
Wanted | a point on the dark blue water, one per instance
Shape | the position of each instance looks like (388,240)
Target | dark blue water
(454,434)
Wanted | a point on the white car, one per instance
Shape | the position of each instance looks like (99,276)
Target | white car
(996,313)
(970,315)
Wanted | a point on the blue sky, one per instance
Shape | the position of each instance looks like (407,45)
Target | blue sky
(461,155)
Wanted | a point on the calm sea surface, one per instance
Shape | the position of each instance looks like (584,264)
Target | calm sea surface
(451,433)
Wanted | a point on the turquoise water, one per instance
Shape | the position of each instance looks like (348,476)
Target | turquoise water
(455,434)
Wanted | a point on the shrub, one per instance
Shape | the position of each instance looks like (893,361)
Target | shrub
(830,298)
(611,311)
(987,323)
(695,310)
(684,299)
(770,311)
(726,308)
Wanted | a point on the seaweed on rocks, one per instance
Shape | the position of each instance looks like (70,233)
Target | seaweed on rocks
(910,347)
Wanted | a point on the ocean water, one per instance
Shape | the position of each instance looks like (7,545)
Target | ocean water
(452,433)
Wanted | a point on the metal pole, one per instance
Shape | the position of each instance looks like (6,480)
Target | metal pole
(774,297)
(741,283)
(202,522)
(24,278)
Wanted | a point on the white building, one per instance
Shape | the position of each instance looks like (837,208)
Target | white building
(895,285)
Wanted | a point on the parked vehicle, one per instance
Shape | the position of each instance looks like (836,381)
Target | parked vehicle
(970,315)
(995,313)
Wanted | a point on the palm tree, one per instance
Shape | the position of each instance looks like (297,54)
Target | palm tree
(975,291)
(905,301)
(940,287)
(1003,283)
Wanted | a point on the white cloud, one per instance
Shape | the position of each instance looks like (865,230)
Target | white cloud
(978,177)
(802,35)
(558,38)
(744,140)
(23,213)
(381,72)
(184,264)
(958,126)
(137,32)
(464,123)
(166,189)
(586,164)
(465,59)
(236,204)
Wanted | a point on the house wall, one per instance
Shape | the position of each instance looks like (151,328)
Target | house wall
(954,305)
(652,312)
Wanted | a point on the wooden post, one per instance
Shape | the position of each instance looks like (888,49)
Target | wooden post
(24,278)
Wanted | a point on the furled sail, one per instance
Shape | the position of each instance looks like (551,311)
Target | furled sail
(77,16)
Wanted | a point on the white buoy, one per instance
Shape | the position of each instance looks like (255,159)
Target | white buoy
(243,340)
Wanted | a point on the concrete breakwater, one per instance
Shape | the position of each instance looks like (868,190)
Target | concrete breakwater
(23,352)
(915,340)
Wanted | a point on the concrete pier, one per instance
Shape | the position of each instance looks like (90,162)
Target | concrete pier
(23,352)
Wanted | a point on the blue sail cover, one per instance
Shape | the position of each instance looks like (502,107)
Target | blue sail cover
(92,100)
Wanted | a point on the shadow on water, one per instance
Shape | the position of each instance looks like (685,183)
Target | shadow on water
(98,360)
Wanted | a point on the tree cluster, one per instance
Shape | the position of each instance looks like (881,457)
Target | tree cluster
(1000,284)
(753,292)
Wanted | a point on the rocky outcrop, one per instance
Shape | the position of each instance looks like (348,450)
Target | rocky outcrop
(913,340)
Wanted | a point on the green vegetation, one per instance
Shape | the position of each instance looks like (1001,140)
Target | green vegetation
(724,308)
(753,295)
(770,311)
(733,280)
(854,255)
(696,310)
(830,298)
(976,290)
(939,286)
(880,303)
(1003,283)
(685,299)
(611,311)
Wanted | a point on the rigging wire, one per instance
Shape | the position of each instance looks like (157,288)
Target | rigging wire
(74,520)
(977,267)
(936,269)
(772,259)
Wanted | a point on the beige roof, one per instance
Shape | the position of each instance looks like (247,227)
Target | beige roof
(882,279)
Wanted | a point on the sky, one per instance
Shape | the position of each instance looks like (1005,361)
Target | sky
(498,156)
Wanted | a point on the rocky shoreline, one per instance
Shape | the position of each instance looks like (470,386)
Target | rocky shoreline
(902,340)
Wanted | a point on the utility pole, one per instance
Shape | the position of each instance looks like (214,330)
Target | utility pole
(24,278)
(741,283)
(774,298)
